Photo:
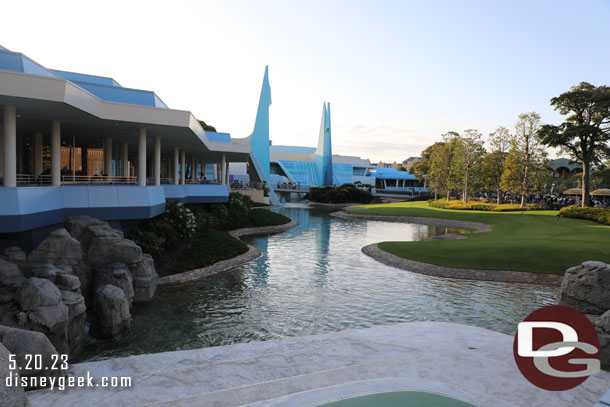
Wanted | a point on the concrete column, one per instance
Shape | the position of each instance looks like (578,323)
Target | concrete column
(227,174)
(37,153)
(193,168)
(1,150)
(223,168)
(9,147)
(176,159)
(142,158)
(125,160)
(157,160)
(108,156)
(56,153)
(183,167)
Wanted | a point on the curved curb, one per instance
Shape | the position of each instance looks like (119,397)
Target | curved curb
(428,269)
(251,254)
(478,227)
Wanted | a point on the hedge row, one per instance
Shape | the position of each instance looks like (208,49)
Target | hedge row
(483,206)
(599,215)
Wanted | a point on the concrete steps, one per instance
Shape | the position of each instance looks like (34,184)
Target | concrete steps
(469,363)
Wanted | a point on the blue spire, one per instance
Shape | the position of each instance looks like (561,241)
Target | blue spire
(259,141)
(324,154)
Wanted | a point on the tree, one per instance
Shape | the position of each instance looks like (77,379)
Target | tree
(600,178)
(585,133)
(207,127)
(493,162)
(433,167)
(492,170)
(527,144)
(452,178)
(467,160)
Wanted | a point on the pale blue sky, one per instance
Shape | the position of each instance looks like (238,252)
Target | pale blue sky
(397,73)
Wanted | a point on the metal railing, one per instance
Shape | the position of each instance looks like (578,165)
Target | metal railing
(41,180)
(170,181)
(98,179)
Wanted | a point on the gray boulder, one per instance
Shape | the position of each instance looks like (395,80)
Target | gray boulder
(44,311)
(9,272)
(77,318)
(15,255)
(85,229)
(11,396)
(145,279)
(602,326)
(107,251)
(44,270)
(587,288)
(10,279)
(67,282)
(21,343)
(59,249)
(112,309)
(118,275)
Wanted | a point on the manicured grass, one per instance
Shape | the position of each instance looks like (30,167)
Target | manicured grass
(536,241)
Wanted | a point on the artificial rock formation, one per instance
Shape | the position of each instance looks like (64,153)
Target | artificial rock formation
(586,288)
(13,396)
(86,271)
(25,345)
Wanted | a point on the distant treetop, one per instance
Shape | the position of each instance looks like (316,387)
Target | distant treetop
(207,127)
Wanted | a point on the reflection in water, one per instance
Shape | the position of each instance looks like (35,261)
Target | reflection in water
(315,279)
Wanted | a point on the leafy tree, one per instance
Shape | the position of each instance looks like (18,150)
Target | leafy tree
(585,133)
(433,167)
(465,163)
(600,178)
(207,127)
(492,170)
(452,177)
(525,143)
(401,168)
(493,162)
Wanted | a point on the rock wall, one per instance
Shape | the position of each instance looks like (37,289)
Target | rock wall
(586,288)
(86,271)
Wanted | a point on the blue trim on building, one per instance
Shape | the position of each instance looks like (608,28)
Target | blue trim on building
(27,208)
(218,137)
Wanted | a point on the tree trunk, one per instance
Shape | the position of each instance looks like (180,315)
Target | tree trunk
(448,193)
(497,194)
(586,198)
(524,184)
(435,193)
(466,188)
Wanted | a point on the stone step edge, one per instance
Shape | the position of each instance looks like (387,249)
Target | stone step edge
(339,392)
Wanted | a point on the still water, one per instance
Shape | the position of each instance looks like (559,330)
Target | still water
(314,279)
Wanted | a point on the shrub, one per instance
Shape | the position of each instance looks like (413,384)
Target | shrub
(165,231)
(263,217)
(422,197)
(148,240)
(210,246)
(483,206)
(599,215)
(345,193)
(181,219)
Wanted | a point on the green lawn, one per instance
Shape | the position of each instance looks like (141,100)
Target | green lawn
(535,241)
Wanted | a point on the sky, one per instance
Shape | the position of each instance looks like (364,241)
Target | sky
(397,74)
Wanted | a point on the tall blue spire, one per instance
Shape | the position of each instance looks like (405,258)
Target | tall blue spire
(259,140)
(323,160)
